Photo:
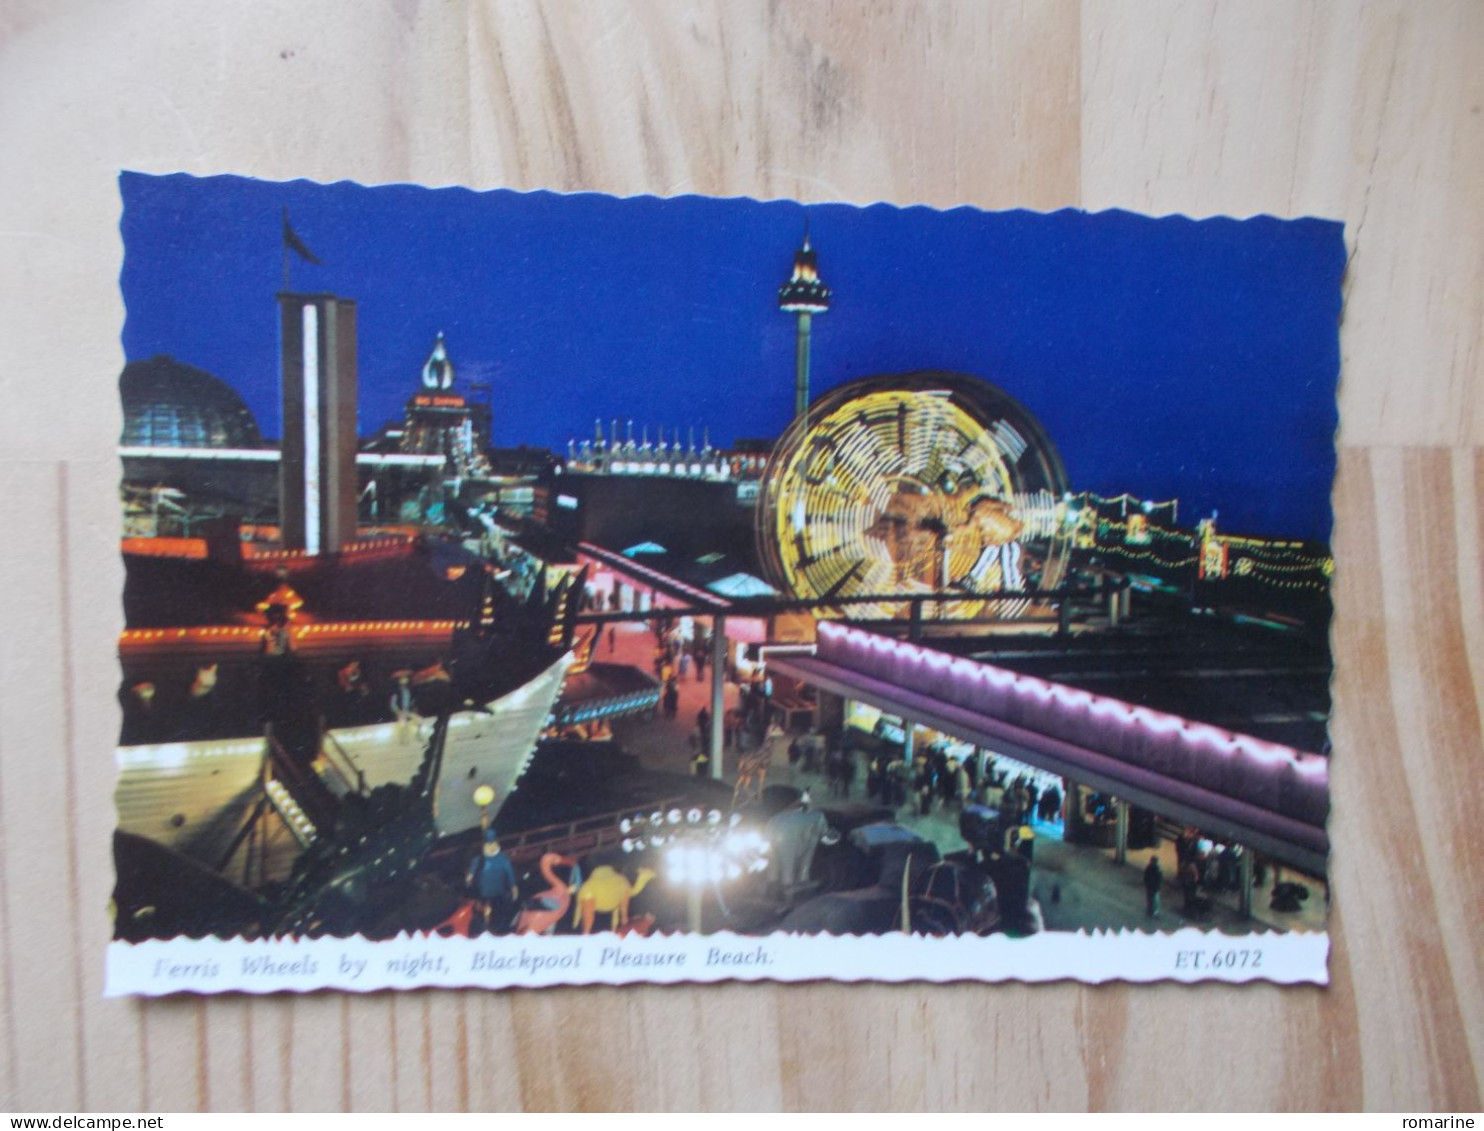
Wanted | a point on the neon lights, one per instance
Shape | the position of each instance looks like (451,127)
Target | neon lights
(1142,737)
(230,633)
(910,486)
(312,518)
(191,548)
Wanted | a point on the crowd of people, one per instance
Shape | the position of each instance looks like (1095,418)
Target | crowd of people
(938,779)
(1205,869)
(675,657)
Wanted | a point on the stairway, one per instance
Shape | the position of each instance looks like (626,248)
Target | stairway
(290,812)
(298,794)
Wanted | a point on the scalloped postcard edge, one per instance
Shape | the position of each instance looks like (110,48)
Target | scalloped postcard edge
(295,963)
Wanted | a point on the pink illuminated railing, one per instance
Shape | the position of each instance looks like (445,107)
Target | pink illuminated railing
(1279,779)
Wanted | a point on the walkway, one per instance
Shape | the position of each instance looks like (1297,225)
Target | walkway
(1079,887)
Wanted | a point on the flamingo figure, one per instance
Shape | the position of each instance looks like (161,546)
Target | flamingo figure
(550,905)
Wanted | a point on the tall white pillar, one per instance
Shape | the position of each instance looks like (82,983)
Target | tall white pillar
(718,691)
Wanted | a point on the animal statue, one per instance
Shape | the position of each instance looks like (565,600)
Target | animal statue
(640,926)
(551,904)
(752,769)
(609,891)
(794,835)
(460,923)
(752,775)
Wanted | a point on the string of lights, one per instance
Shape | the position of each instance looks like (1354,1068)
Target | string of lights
(1279,563)
(1147,556)
(1123,499)
(1297,567)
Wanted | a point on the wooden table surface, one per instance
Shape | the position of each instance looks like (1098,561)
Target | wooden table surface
(1372,113)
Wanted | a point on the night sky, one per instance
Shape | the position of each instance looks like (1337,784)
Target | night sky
(1167,358)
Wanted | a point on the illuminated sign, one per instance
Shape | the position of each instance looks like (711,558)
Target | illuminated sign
(423,401)
(1213,560)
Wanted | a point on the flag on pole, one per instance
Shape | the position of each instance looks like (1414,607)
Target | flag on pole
(293,243)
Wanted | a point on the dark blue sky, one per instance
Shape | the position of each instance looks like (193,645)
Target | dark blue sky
(1170,357)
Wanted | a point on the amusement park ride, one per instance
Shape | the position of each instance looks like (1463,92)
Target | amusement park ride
(917,484)
(927,503)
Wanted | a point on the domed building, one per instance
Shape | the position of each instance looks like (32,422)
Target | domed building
(192,451)
(169,404)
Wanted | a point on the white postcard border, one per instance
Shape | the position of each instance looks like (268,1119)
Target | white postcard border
(208,966)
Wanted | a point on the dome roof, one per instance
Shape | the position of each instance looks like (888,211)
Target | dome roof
(169,404)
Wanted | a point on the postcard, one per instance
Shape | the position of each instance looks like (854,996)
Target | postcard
(528,589)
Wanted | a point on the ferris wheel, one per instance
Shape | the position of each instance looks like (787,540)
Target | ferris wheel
(916,484)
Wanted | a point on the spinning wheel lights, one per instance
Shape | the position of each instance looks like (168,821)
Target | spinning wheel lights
(911,485)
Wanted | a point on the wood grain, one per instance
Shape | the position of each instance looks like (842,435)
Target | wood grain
(1367,112)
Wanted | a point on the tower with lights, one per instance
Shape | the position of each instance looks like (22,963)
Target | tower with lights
(441,421)
(319,384)
(805,295)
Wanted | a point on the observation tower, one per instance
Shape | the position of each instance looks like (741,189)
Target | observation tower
(805,295)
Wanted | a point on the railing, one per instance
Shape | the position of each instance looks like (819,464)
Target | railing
(612,707)
(345,768)
(307,789)
(582,835)
(571,837)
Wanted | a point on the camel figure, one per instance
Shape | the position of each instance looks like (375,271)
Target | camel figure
(551,904)
(609,891)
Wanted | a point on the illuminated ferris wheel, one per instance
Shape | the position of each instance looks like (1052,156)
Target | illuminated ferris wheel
(915,484)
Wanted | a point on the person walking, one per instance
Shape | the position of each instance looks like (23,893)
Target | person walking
(899,782)
(847,772)
(924,780)
(1051,804)
(834,766)
(1190,884)
(491,876)
(963,786)
(1154,879)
